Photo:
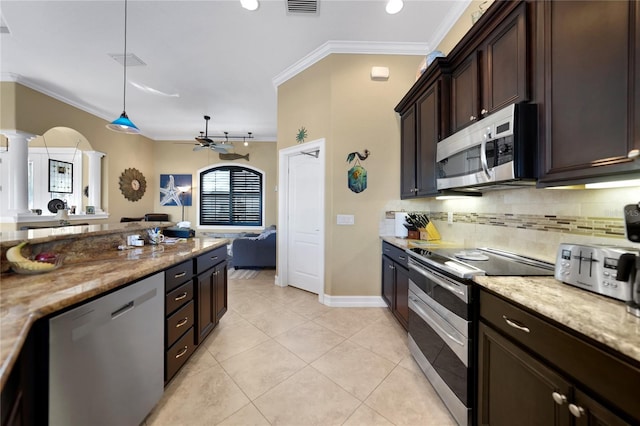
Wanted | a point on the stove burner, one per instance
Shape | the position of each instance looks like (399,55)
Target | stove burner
(471,255)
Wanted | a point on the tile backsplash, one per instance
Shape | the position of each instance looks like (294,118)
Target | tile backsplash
(529,221)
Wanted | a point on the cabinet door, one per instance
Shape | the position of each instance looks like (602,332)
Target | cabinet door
(402,295)
(587,411)
(506,73)
(408,154)
(388,277)
(514,388)
(589,81)
(220,289)
(205,305)
(428,132)
(464,93)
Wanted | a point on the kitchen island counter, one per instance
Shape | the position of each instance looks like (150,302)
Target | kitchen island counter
(600,318)
(26,298)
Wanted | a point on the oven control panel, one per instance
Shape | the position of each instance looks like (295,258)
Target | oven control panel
(593,268)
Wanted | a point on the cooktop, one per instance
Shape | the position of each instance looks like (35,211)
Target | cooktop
(482,261)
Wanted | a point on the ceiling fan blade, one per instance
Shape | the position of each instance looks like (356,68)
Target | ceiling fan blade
(220,148)
(199,147)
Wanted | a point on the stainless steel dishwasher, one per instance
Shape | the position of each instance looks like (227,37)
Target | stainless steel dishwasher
(106,364)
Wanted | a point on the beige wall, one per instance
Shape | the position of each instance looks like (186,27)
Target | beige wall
(178,157)
(37,113)
(336,99)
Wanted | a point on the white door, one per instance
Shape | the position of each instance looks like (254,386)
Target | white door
(305,211)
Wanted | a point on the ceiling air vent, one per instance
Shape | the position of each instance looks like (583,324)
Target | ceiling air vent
(306,7)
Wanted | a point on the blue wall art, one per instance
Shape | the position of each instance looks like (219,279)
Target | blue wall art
(170,194)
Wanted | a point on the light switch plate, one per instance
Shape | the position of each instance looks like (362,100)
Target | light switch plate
(345,219)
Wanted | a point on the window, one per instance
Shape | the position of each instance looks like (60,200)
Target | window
(231,196)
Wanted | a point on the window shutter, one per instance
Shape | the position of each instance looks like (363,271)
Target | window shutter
(231,196)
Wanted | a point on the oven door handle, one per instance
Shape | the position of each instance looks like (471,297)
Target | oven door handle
(431,321)
(439,280)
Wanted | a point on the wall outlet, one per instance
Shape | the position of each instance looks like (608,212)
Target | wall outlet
(449,217)
(345,219)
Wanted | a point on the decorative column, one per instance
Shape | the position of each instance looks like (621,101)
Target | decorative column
(18,162)
(95,179)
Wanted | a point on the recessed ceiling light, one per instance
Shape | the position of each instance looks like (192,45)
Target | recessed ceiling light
(394,6)
(249,4)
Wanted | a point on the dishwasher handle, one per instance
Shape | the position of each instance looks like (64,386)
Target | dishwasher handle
(115,314)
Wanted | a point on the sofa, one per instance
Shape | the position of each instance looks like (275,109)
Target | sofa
(255,251)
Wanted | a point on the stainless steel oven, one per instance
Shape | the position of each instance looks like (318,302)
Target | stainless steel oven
(442,311)
(440,335)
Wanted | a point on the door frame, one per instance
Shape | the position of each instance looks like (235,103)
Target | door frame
(283,207)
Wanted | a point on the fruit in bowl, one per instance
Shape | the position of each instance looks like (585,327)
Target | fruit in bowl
(43,262)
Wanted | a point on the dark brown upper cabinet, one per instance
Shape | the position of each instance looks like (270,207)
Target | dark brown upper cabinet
(424,121)
(496,72)
(588,66)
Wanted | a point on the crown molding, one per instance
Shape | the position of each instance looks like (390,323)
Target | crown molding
(350,47)
(449,21)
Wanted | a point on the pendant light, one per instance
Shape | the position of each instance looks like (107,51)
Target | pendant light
(122,124)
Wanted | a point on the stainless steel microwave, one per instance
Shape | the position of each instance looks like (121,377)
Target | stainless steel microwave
(497,152)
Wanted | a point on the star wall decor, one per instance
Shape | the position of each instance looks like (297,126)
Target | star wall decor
(302,135)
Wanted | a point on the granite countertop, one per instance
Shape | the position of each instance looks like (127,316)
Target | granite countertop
(27,298)
(603,319)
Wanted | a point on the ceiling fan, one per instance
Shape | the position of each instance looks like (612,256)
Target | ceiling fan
(204,141)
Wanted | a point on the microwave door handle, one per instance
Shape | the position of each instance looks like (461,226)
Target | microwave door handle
(483,154)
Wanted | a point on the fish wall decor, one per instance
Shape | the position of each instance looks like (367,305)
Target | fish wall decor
(231,157)
(357,175)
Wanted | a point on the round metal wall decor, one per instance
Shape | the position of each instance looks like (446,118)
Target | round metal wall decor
(132,184)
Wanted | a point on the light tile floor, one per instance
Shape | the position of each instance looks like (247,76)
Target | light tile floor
(279,357)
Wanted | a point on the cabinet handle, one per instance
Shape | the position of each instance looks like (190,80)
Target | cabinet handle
(515,324)
(559,398)
(576,410)
(483,112)
(182,296)
(214,257)
(473,117)
(182,322)
(182,352)
(180,275)
(402,258)
(633,154)
(387,250)
(391,267)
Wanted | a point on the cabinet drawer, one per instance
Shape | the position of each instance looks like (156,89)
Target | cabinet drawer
(179,322)
(178,274)
(178,297)
(606,374)
(210,259)
(396,254)
(178,354)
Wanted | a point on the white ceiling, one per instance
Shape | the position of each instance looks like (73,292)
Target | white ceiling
(221,59)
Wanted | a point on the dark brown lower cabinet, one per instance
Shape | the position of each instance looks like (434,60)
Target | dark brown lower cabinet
(395,289)
(211,298)
(514,387)
(531,372)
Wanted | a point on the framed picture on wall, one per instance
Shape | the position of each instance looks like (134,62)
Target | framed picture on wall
(175,190)
(60,177)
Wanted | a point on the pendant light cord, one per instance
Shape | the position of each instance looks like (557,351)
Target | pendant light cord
(124,88)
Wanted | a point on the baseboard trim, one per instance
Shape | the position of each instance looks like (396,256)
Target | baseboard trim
(354,301)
